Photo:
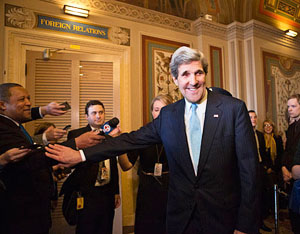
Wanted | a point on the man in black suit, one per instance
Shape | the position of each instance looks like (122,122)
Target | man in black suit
(213,182)
(97,182)
(293,138)
(264,166)
(28,181)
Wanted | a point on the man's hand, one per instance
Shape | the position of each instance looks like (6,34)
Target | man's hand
(238,232)
(53,108)
(66,155)
(88,139)
(296,172)
(117,201)
(13,155)
(116,132)
(53,134)
(287,175)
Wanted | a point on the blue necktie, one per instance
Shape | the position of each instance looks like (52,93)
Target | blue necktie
(26,134)
(195,135)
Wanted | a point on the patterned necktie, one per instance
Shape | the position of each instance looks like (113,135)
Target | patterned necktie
(26,134)
(195,136)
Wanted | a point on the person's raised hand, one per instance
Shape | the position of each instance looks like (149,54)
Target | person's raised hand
(88,139)
(53,108)
(53,134)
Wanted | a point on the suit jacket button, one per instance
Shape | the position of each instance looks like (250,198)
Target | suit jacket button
(196,186)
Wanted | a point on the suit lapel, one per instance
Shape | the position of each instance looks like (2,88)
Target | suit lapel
(179,128)
(212,117)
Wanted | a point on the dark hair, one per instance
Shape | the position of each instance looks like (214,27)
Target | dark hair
(41,128)
(297,96)
(92,103)
(5,91)
(251,111)
(186,55)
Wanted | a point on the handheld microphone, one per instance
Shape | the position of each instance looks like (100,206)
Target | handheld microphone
(109,126)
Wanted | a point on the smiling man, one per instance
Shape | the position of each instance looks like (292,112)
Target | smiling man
(25,207)
(211,151)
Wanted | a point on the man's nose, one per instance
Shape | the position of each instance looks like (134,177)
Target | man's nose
(27,102)
(193,79)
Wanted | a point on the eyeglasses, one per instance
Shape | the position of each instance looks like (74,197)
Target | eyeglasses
(268,125)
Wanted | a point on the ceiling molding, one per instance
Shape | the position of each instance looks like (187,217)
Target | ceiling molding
(237,30)
(133,13)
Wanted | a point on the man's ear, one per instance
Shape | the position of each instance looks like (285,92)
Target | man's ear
(175,80)
(2,106)
(86,116)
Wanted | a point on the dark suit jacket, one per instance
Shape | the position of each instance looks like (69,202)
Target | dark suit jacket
(293,137)
(28,184)
(85,174)
(225,191)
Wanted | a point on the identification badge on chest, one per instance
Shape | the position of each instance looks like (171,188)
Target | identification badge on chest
(104,173)
(80,203)
(158,169)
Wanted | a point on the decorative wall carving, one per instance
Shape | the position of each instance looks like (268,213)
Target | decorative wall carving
(19,17)
(130,12)
(119,36)
(282,79)
(156,56)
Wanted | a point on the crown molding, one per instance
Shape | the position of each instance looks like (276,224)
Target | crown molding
(243,31)
(133,13)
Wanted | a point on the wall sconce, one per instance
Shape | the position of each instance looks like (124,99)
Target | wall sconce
(76,11)
(291,33)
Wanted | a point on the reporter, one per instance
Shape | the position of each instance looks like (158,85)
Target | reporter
(150,214)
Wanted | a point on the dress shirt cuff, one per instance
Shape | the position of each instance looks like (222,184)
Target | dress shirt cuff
(83,158)
(40,111)
(44,138)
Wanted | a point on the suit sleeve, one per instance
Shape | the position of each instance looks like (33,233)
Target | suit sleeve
(246,152)
(297,156)
(142,138)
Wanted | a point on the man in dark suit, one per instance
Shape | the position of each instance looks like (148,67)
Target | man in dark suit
(293,138)
(264,166)
(97,182)
(28,182)
(213,183)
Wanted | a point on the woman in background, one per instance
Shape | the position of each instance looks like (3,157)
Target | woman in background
(153,171)
(274,148)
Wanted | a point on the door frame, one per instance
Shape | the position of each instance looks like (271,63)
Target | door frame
(18,41)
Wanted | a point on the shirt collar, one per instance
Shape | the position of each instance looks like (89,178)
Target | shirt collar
(201,105)
(94,129)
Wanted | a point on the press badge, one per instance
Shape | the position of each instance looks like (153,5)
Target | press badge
(158,169)
(80,203)
(104,173)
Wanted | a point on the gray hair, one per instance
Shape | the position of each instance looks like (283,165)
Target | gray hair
(186,55)
(5,90)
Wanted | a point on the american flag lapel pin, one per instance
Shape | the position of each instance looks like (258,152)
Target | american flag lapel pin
(216,116)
